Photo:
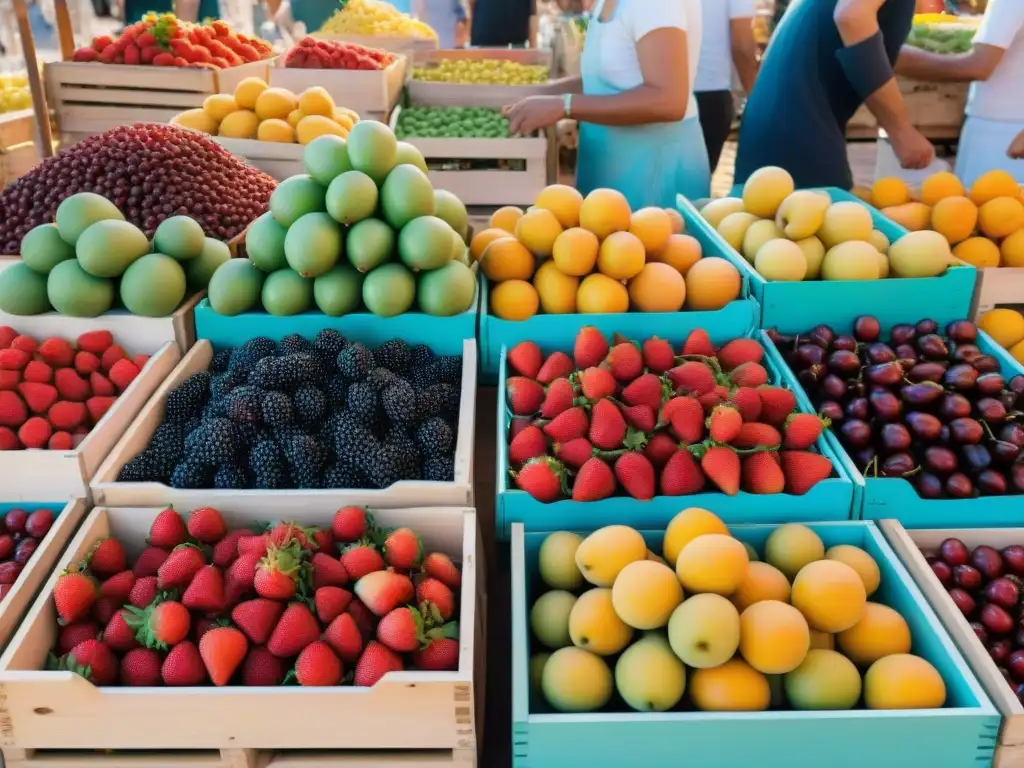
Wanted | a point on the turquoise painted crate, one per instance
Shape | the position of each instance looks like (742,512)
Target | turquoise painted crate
(879,498)
(831,499)
(793,307)
(963,734)
(559,331)
(443,334)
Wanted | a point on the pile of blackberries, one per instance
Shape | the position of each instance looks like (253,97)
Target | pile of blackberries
(305,414)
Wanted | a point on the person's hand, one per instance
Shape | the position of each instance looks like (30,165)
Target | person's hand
(1016,149)
(912,149)
(533,114)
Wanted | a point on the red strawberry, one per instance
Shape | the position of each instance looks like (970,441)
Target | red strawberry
(296,629)
(161,625)
(96,342)
(376,661)
(590,348)
(183,666)
(527,445)
(65,415)
(721,465)
(328,572)
(440,655)
(749,375)
(257,618)
(658,355)
(287,532)
(9,380)
(205,592)
(38,372)
(659,448)
(597,383)
(330,603)
(711,400)
(322,540)
(149,561)
(70,385)
(223,649)
(575,453)
(122,374)
(206,525)
(73,595)
(118,587)
(647,390)
(438,596)
(86,363)
(739,351)
(98,407)
(80,631)
(226,550)
(755,434)
(685,415)
(101,385)
(401,630)
(681,476)
(517,424)
(641,417)
(439,566)
(350,523)
(558,398)
(403,549)
(38,397)
(118,634)
(317,665)
(776,404)
(144,591)
(13,359)
(240,576)
(802,431)
(625,361)
(12,409)
(57,352)
(253,545)
(724,424)
(557,366)
(7,335)
(524,395)
(698,343)
(93,660)
(277,574)
(25,343)
(607,426)
(59,441)
(692,378)
(104,608)
(525,358)
(181,565)
(635,474)
(762,473)
(568,425)
(542,477)
(168,530)
(262,668)
(140,667)
(748,402)
(804,470)
(111,355)
(35,433)
(106,558)
(594,481)
(383,591)
(360,559)
(344,636)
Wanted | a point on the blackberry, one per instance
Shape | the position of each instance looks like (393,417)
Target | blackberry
(403,454)
(230,477)
(451,398)
(298,368)
(220,361)
(215,409)
(393,355)
(252,351)
(330,342)
(399,402)
(429,402)
(339,475)
(293,343)
(244,405)
(336,391)
(141,469)
(268,467)
(277,409)
(363,401)
(356,446)
(448,369)
(166,447)
(212,443)
(306,457)
(264,374)
(245,435)
(191,474)
(355,361)
(309,404)
(434,436)
(420,356)
(224,383)
(191,426)
(188,398)
(381,377)
(439,469)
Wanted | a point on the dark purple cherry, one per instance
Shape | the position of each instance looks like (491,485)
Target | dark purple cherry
(923,394)
(880,353)
(926,372)
(1003,453)
(933,347)
(976,458)
(960,377)
(962,331)
(855,432)
(897,465)
(939,460)
(866,329)
(885,405)
(924,327)
(959,486)
(985,364)
(1017,383)
(895,438)
(845,342)
(955,406)
(1013,433)
(833,387)
(903,334)
(966,431)
(858,409)
(991,482)
(991,410)
(831,410)
(923,426)
(990,384)
(928,486)
(964,353)
(844,363)
(884,374)
(809,354)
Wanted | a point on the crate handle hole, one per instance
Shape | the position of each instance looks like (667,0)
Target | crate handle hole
(43,711)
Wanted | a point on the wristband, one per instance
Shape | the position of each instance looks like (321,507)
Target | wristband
(866,65)
(567,102)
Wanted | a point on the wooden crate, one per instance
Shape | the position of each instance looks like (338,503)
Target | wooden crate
(373,94)
(107,491)
(476,95)
(935,109)
(437,712)
(19,153)
(911,546)
(393,44)
(272,157)
(17,127)
(523,166)
(91,98)
(998,287)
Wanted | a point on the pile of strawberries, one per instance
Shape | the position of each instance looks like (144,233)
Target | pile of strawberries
(654,422)
(21,532)
(165,41)
(204,604)
(52,392)
(310,53)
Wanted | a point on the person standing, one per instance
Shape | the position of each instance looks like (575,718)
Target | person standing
(446,17)
(995,105)
(727,41)
(639,131)
(826,59)
(503,23)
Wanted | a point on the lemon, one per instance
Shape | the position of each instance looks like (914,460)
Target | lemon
(316,101)
(294,116)
(275,129)
(312,126)
(242,124)
(248,90)
(275,103)
(220,105)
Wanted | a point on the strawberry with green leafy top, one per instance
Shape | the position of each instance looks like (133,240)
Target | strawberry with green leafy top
(402,629)
(93,660)
(441,652)
(73,594)
(361,558)
(437,596)
(161,625)
(403,549)
(351,523)
(277,574)
(106,558)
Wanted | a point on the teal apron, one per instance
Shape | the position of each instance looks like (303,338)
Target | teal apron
(649,164)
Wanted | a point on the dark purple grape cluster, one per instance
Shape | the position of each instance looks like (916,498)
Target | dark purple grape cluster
(925,406)
(150,172)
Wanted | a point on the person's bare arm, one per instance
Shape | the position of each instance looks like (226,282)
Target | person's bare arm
(977,64)
(1016,150)
(744,51)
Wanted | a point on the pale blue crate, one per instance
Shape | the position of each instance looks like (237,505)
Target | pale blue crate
(442,334)
(879,498)
(793,307)
(831,499)
(559,331)
(961,735)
